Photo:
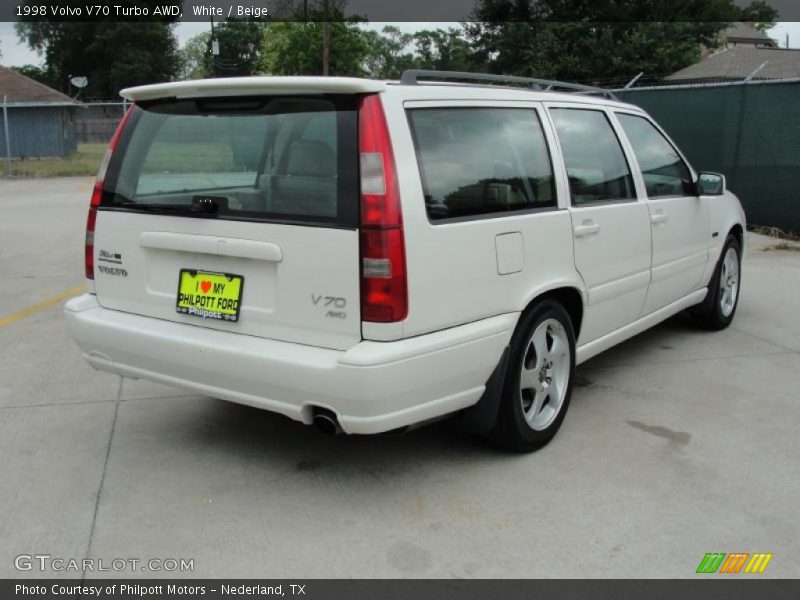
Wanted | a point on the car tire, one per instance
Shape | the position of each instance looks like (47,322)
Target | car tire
(538,381)
(717,310)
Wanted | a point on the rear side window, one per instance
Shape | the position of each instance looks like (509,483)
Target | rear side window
(596,165)
(479,161)
(664,172)
(284,159)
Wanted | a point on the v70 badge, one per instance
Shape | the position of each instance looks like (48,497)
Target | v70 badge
(332,302)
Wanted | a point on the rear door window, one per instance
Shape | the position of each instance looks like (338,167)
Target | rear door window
(596,165)
(482,161)
(284,158)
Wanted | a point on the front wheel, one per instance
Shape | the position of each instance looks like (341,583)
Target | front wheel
(717,310)
(538,382)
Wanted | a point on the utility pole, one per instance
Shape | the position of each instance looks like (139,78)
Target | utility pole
(8,140)
(326,41)
(214,49)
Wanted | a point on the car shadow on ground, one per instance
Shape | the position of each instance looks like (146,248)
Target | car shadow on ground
(244,432)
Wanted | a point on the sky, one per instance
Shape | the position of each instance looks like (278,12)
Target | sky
(16,54)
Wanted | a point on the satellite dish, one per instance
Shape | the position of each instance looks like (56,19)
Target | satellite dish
(79,81)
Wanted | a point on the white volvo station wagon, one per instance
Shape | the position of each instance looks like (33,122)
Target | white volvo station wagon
(369,256)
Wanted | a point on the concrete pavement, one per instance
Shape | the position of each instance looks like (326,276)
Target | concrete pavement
(678,442)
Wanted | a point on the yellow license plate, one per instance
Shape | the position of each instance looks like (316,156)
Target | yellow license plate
(210,295)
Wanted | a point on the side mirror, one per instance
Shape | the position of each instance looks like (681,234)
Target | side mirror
(711,184)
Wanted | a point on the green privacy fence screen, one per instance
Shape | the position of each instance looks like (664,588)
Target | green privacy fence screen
(748,131)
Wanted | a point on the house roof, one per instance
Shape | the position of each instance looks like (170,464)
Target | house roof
(17,88)
(745,33)
(740,61)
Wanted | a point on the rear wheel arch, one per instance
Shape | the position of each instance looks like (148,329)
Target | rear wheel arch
(482,417)
(570,298)
(540,369)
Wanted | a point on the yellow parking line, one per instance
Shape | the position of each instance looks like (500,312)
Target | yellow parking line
(40,306)
(86,185)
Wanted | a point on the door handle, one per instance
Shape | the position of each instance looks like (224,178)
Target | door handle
(658,218)
(586,228)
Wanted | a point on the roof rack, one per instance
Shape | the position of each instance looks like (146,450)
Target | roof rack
(413,76)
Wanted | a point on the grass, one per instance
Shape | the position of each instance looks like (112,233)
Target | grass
(202,157)
(789,240)
(784,246)
(170,158)
(84,161)
(775,232)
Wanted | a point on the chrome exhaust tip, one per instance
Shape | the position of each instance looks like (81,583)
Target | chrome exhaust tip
(326,422)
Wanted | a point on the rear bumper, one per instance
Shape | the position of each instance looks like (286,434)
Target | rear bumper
(372,387)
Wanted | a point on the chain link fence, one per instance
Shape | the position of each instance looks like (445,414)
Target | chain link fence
(749,131)
(95,123)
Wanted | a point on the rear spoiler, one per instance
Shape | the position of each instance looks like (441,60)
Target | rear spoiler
(251,86)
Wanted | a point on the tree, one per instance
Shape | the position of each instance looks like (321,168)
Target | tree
(444,50)
(389,52)
(239,48)
(581,41)
(194,57)
(111,54)
(760,14)
(593,52)
(293,48)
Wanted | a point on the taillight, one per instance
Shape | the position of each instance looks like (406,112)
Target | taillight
(384,292)
(97,196)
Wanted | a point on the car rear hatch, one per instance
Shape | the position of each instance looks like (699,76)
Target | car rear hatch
(238,213)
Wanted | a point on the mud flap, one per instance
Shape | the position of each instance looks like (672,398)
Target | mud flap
(481,417)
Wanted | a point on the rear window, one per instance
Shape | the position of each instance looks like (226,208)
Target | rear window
(280,158)
(481,161)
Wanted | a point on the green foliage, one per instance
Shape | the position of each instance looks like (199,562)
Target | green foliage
(194,57)
(389,52)
(239,51)
(760,14)
(591,51)
(239,48)
(111,54)
(587,41)
(577,40)
(293,48)
(84,161)
(444,50)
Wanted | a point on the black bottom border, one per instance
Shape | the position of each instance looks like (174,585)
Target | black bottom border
(706,587)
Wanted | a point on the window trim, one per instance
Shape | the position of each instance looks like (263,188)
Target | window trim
(245,218)
(604,109)
(672,144)
(537,110)
(495,215)
(348,183)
